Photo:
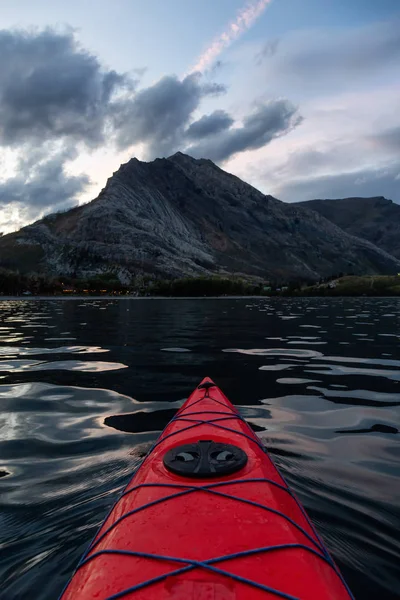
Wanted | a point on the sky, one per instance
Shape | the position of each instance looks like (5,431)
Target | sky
(299,98)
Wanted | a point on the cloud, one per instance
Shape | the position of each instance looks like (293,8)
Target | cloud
(268,49)
(55,95)
(327,58)
(217,66)
(388,140)
(50,88)
(55,98)
(139,71)
(363,183)
(356,165)
(245,18)
(42,183)
(365,49)
(209,125)
(346,80)
(158,115)
(268,121)
(319,160)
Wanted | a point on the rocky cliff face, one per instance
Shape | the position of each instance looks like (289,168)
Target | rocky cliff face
(181,216)
(374,219)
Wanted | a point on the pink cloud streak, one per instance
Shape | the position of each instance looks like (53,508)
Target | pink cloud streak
(246,17)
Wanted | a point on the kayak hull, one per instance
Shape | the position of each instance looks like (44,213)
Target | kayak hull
(242,535)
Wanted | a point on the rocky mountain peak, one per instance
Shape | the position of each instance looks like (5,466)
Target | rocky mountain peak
(184,216)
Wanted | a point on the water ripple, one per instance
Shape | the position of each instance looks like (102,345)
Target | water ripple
(19,366)
(300,352)
(23,351)
(73,429)
(368,397)
(341,370)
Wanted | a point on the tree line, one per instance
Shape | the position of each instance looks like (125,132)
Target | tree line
(13,283)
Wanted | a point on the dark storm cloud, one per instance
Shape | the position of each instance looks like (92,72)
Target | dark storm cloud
(51,88)
(55,95)
(158,115)
(209,125)
(42,183)
(268,121)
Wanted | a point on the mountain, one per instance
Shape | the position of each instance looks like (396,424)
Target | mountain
(181,216)
(374,219)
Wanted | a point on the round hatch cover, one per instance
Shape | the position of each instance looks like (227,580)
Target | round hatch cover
(205,459)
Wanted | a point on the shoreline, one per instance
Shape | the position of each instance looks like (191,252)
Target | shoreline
(28,298)
(299,296)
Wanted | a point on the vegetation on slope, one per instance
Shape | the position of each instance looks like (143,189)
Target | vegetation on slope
(206,286)
(352,285)
(13,283)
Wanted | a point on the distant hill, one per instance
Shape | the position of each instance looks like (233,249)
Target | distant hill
(373,285)
(179,216)
(374,219)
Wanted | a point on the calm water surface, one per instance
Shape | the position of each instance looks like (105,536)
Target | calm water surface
(86,385)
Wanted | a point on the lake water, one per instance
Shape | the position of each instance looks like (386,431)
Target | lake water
(85,385)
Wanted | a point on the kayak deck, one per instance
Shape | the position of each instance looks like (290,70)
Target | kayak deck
(235,536)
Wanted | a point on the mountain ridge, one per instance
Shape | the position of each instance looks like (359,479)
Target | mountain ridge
(376,219)
(180,216)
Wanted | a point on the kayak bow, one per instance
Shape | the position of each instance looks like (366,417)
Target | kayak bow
(207,516)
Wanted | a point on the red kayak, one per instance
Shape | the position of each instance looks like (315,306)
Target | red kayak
(207,516)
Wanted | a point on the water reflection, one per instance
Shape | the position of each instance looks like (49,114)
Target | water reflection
(322,396)
(69,365)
